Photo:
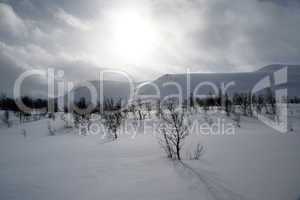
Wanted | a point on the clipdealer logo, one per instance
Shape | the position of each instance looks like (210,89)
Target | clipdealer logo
(280,121)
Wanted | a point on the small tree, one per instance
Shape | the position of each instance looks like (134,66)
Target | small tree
(271,102)
(113,116)
(51,129)
(290,124)
(165,143)
(251,100)
(192,100)
(141,114)
(175,131)
(24,133)
(244,104)
(197,153)
(237,119)
(6,117)
(206,106)
(227,105)
(149,109)
(77,119)
(132,109)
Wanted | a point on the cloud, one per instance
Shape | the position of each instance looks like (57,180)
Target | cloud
(283,3)
(11,25)
(203,35)
(10,71)
(219,36)
(72,20)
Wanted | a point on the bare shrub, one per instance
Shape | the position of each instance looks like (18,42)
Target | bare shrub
(237,119)
(112,116)
(51,129)
(165,143)
(197,153)
(158,112)
(175,130)
(140,110)
(77,120)
(148,109)
(5,118)
(24,133)
(68,120)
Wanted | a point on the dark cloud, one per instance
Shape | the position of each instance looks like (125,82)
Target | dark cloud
(239,36)
(10,71)
(283,3)
(78,70)
(203,35)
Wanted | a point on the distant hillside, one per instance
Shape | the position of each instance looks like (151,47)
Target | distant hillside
(109,89)
(243,82)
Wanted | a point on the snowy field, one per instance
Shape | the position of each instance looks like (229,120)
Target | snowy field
(255,163)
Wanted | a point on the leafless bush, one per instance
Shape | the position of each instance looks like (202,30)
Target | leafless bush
(174,131)
(158,112)
(237,119)
(208,119)
(113,116)
(165,143)
(51,129)
(149,109)
(77,120)
(24,133)
(197,153)
(140,110)
(5,118)
(68,120)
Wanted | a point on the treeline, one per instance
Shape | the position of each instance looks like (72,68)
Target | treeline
(245,103)
(237,99)
(7,103)
(294,100)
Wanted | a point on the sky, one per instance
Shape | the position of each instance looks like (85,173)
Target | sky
(146,38)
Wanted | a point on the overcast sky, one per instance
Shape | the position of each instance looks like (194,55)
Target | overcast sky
(203,35)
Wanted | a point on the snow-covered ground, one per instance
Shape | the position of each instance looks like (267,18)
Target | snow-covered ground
(254,163)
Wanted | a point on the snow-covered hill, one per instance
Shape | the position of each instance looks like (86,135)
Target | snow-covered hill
(108,89)
(243,82)
(115,88)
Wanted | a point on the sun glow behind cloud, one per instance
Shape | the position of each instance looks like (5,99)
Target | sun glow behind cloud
(134,36)
(148,38)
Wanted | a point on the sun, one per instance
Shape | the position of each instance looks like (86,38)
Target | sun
(135,36)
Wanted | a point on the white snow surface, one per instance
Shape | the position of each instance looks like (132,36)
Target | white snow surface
(255,163)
